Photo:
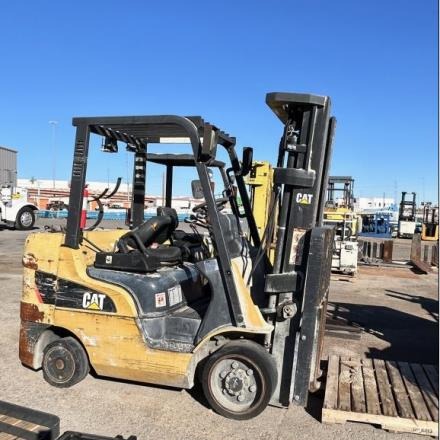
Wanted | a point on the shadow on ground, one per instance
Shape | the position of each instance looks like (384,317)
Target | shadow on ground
(428,304)
(411,338)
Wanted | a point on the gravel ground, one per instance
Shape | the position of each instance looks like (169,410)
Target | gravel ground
(397,310)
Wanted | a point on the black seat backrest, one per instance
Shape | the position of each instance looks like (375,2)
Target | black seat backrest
(157,229)
(164,210)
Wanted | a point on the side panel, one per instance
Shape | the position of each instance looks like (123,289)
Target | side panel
(116,348)
(113,341)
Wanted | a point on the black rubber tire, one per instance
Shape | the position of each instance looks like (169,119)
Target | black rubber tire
(262,363)
(18,222)
(75,363)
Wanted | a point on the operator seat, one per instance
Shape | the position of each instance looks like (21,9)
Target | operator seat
(154,231)
(188,243)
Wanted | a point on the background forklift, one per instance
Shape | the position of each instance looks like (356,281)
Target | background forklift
(339,212)
(135,305)
(407,216)
(430,222)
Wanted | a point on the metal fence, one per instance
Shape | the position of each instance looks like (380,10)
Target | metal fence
(93,215)
(376,250)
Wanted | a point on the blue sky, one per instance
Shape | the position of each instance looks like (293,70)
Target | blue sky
(377,60)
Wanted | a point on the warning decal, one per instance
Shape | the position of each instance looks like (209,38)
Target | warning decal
(161,299)
(175,295)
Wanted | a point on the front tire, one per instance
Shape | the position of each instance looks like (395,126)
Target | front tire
(239,379)
(25,219)
(65,363)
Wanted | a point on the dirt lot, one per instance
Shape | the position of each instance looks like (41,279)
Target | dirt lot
(396,309)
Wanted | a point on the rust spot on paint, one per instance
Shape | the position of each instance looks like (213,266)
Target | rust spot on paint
(30,261)
(25,350)
(30,312)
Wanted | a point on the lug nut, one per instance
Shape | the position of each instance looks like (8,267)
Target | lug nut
(223,374)
(234,364)
(253,388)
(240,397)
(250,372)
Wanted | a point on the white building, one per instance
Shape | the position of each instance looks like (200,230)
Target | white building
(43,191)
(375,204)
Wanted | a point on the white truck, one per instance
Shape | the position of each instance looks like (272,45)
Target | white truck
(15,210)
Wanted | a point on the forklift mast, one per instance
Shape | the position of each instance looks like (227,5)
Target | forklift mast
(298,284)
(340,187)
(430,214)
(407,209)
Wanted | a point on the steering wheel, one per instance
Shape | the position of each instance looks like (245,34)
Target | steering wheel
(219,203)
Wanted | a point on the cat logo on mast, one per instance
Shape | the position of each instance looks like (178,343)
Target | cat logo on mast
(304,199)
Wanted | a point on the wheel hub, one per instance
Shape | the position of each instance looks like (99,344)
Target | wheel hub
(26,219)
(59,364)
(236,381)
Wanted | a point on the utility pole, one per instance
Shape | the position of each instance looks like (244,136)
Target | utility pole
(54,151)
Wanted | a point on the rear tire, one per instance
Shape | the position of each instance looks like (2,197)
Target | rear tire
(25,219)
(239,379)
(65,363)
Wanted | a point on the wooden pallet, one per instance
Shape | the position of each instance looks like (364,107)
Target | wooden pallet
(17,422)
(397,396)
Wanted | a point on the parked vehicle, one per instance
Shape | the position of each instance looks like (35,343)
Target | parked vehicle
(56,205)
(15,210)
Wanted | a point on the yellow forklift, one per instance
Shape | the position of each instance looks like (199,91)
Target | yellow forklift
(156,304)
(340,204)
(430,222)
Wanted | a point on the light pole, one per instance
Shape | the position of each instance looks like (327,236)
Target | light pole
(54,153)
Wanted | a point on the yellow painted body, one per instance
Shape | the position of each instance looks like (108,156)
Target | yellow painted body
(340,214)
(426,237)
(113,341)
(260,180)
